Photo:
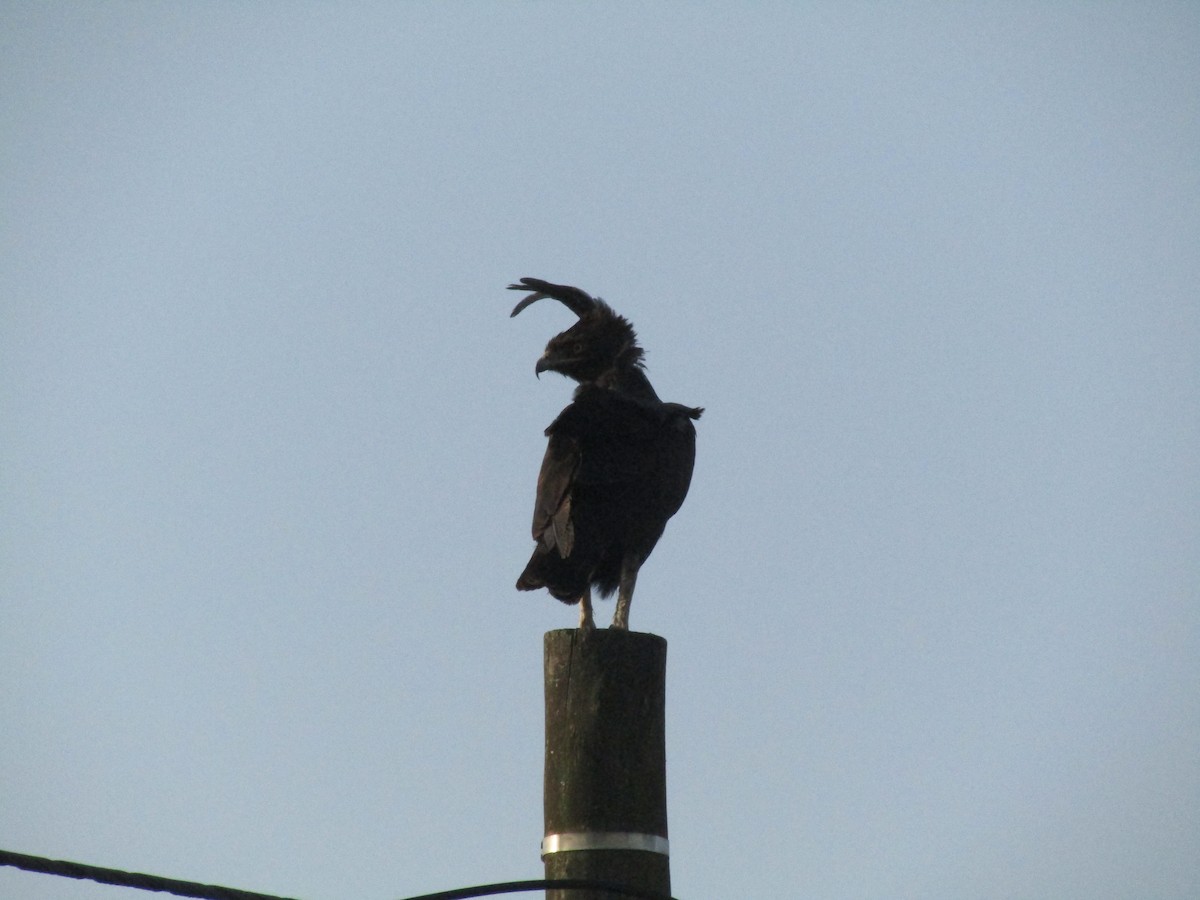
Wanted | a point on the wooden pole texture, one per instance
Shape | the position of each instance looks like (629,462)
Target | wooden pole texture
(606,762)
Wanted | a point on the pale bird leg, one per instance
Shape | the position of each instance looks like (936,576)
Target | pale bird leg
(629,572)
(586,621)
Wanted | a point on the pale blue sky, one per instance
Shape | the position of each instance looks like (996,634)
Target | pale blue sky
(270,438)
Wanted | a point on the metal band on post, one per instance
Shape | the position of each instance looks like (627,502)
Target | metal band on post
(604,840)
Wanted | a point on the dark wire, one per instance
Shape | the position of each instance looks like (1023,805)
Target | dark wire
(137,880)
(157,883)
(553,884)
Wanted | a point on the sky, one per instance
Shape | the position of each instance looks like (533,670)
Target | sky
(270,437)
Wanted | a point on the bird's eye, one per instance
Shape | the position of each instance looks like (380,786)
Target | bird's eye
(577,349)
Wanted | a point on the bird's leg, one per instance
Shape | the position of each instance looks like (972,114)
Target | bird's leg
(629,570)
(586,622)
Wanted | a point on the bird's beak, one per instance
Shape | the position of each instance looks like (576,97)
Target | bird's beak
(542,365)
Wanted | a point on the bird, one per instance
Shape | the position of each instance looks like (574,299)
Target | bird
(618,460)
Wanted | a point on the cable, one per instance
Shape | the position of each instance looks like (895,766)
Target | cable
(137,880)
(560,884)
(143,882)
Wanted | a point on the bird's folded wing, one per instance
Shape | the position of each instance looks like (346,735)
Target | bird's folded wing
(552,526)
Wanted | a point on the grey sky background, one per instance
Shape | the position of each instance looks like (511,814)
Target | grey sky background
(270,438)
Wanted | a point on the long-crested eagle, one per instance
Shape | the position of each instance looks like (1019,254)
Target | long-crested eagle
(617,466)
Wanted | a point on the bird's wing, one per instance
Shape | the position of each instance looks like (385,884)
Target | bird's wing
(552,527)
(594,443)
(609,448)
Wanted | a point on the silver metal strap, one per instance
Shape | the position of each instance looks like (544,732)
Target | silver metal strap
(604,840)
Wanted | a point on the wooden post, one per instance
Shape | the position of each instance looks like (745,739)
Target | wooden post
(606,763)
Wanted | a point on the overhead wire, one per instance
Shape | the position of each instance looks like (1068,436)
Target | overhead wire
(143,882)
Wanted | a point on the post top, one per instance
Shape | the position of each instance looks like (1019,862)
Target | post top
(602,635)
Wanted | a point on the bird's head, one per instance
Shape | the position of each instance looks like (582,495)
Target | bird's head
(599,342)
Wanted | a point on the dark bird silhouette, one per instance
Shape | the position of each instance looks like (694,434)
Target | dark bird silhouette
(617,466)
